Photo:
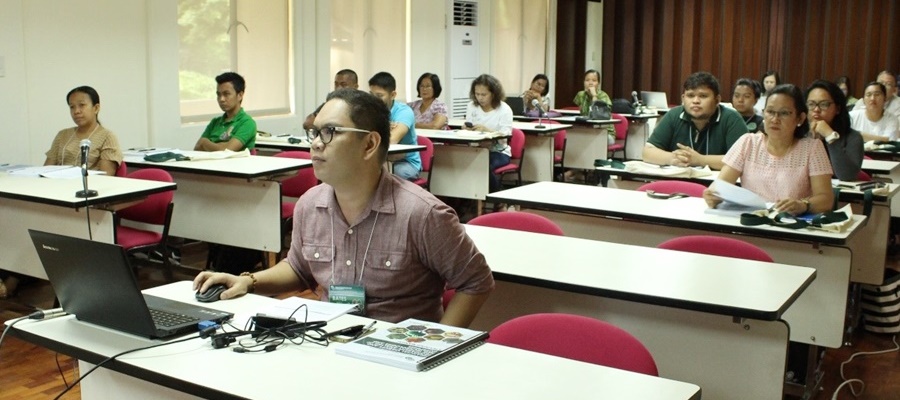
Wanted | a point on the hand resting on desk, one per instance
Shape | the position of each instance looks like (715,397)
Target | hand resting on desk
(237,285)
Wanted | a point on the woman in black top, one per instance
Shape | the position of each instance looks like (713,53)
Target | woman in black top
(830,121)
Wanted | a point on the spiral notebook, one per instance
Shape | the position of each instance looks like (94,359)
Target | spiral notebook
(414,345)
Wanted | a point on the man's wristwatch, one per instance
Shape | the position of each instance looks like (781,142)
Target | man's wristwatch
(832,137)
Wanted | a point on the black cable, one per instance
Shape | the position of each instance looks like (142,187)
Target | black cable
(61,373)
(108,359)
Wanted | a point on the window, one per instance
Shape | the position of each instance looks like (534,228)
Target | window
(251,38)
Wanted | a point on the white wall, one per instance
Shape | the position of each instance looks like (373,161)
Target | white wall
(128,51)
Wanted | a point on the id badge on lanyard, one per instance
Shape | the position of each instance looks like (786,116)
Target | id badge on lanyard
(349,294)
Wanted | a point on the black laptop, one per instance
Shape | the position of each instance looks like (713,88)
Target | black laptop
(94,281)
(517,104)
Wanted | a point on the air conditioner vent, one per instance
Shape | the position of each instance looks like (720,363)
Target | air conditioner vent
(465,13)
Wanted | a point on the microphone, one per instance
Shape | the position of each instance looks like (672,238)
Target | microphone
(537,105)
(637,103)
(85,148)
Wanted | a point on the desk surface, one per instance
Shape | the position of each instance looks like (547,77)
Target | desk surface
(634,205)
(459,136)
(281,143)
(61,192)
(502,372)
(884,167)
(697,282)
(252,167)
(526,127)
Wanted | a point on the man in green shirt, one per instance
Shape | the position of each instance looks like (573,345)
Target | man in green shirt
(697,133)
(234,130)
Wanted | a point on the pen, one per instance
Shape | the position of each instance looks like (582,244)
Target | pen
(354,328)
(366,329)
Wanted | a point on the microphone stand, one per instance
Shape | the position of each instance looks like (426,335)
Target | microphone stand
(84,194)
(540,117)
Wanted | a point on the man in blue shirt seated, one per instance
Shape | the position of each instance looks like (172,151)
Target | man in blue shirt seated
(697,133)
(403,124)
(234,130)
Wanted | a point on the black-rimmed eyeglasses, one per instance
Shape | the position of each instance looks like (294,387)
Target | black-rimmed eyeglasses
(327,133)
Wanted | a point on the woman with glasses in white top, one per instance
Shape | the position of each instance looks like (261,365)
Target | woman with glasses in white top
(830,121)
(782,165)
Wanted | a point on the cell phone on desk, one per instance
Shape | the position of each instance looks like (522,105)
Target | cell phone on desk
(469,124)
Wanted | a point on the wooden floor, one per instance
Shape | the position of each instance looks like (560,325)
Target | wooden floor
(30,372)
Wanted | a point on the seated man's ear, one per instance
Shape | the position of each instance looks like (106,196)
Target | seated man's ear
(372,145)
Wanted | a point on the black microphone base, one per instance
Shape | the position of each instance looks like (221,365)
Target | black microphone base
(539,127)
(86,193)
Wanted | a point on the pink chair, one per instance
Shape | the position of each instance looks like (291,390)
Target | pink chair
(621,135)
(716,246)
(577,338)
(427,159)
(517,148)
(294,187)
(518,221)
(668,187)
(122,170)
(156,209)
(863,176)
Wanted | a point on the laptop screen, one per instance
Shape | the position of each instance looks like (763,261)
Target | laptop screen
(655,99)
(517,104)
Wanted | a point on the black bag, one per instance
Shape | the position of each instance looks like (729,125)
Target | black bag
(881,304)
(622,106)
(600,110)
(233,260)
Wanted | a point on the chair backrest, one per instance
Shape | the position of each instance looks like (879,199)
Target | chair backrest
(863,176)
(716,246)
(427,155)
(577,338)
(519,221)
(668,187)
(622,127)
(122,170)
(154,208)
(305,179)
(517,144)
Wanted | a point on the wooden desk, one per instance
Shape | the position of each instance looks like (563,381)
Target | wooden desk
(869,243)
(50,205)
(235,201)
(193,368)
(280,143)
(538,162)
(586,141)
(461,163)
(722,316)
(630,217)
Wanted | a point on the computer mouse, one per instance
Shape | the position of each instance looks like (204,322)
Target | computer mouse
(211,294)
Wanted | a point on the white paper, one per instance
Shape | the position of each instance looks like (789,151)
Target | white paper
(317,310)
(738,195)
(69,173)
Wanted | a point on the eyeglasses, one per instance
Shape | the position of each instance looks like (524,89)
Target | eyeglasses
(327,133)
(822,105)
(771,114)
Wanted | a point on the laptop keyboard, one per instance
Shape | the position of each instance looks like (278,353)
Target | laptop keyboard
(163,318)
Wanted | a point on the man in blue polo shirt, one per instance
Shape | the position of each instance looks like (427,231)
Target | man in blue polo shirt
(403,124)
(234,130)
(697,133)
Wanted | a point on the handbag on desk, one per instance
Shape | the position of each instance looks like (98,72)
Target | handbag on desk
(600,110)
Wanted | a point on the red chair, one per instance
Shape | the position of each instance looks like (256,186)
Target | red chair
(122,170)
(294,187)
(577,338)
(621,135)
(863,176)
(156,210)
(668,187)
(427,159)
(517,148)
(518,221)
(716,246)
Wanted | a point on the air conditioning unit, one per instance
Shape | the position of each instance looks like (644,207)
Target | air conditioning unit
(462,54)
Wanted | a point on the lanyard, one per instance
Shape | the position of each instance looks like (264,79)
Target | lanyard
(365,254)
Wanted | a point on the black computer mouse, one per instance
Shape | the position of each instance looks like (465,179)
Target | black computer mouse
(211,294)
